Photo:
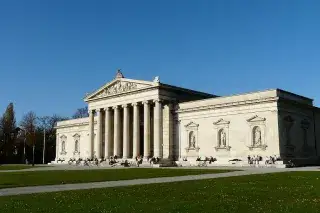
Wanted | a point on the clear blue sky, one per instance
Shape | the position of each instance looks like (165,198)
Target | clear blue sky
(53,52)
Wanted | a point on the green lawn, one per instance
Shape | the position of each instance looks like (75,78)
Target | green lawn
(16,166)
(16,179)
(292,192)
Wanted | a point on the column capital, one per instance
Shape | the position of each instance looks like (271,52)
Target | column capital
(115,107)
(106,108)
(91,111)
(124,105)
(145,102)
(135,104)
(157,101)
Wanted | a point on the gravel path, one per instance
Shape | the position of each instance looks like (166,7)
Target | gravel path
(107,184)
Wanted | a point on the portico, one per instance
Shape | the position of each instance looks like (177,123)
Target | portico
(121,127)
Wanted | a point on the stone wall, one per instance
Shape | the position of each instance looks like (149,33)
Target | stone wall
(297,133)
(227,133)
(69,132)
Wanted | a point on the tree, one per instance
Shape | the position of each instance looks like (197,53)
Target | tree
(8,133)
(29,124)
(81,113)
(48,124)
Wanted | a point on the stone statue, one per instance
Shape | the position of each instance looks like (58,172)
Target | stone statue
(63,146)
(193,141)
(223,139)
(76,146)
(257,137)
(119,74)
(156,79)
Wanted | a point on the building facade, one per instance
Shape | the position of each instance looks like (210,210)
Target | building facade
(130,118)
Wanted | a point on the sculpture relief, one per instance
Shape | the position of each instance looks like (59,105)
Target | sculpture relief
(119,87)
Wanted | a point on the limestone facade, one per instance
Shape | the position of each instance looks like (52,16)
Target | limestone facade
(130,118)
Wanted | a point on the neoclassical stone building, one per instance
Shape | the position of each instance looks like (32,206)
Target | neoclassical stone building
(130,118)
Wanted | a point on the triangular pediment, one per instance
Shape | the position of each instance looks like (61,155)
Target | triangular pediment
(119,86)
(192,124)
(256,118)
(76,135)
(221,122)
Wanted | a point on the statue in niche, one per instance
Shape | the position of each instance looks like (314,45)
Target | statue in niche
(257,136)
(63,146)
(288,123)
(76,146)
(223,139)
(192,140)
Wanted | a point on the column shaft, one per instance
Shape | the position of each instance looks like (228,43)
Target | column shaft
(125,131)
(136,130)
(107,134)
(57,147)
(91,133)
(146,130)
(116,134)
(157,129)
(98,141)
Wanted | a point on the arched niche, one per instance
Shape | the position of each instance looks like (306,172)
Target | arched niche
(221,139)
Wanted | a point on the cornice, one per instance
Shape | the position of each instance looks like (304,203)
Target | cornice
(230,104)
(295,103)
(73,125)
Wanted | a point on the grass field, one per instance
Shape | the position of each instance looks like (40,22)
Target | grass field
(16,179)
(17,167)
(292,192)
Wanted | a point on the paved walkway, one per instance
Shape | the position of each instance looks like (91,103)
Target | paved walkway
(107,184)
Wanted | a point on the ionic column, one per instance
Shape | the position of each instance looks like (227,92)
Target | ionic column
(57,147)
(107,135)
(125,131)
(117,145)
(157,129)
(146,130)
(98,142)
(91,133)
(136,130)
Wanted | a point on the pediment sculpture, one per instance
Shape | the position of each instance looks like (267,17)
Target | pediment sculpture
(118,87)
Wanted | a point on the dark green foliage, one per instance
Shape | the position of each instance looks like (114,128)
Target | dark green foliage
(294,192)
(8,134)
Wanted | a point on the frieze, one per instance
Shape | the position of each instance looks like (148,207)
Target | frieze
(118,87)
(216,106)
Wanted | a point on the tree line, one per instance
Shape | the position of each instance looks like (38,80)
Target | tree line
(24,141)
